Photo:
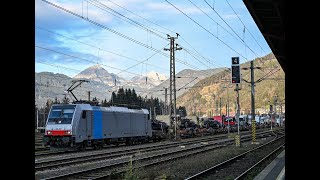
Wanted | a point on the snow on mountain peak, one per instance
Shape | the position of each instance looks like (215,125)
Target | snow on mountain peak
(97,66)
(156,76)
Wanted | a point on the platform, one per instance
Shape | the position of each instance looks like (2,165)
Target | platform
(275,170)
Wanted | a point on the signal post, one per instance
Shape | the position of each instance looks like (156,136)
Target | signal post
(236,79)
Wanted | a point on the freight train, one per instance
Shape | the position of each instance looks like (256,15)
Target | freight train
(78,126)
(82,125)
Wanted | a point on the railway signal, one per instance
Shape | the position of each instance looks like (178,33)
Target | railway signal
(235,70)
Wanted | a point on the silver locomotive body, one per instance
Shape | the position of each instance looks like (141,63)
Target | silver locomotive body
(81,125)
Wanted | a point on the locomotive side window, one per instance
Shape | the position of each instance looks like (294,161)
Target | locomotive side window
(84,114)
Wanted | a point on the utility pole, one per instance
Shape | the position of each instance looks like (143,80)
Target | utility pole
(238,107)
(89,95)
(165,101)
(271,112)
(275,109)
(228,106)
(220,107)
(173,113)
(150,117)
(252,83)
(37,119)
(228,110)
(252,92)
(253,122)
(280,113)
(44,117)
(228,102)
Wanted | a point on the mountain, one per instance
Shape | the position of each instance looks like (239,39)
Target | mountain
(152,78)
(204,98)
(101,84)
(184,80)
(99,74)
(49,85)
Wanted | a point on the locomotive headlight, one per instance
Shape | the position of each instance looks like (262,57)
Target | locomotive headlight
(68,132)
(49,132)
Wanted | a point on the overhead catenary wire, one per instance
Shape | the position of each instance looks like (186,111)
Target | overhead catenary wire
(245,27)
(118,33)
(138,16)
(68,69)
(125,70)
(148,30)
(206,29)
(187,51)
(59,66)
(76,57)
(187,84)
(207,59)
(54,78)
(92,61)
(164,32)
(99,48)
(267,75)
(143,18)
(129,20)
(231,29)
(86,60)
(144,60)
(218,24)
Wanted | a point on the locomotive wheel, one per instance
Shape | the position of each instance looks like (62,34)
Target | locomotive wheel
(98,146)
(129,143)
(82,146)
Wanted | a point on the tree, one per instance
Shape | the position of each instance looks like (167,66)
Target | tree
(48,105)
(104,103)
(95,101)
(65,100)
(113,98)
(120,97)
(129,97)
(134,99)
(56,101)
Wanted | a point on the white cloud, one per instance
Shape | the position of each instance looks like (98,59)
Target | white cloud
(48,12)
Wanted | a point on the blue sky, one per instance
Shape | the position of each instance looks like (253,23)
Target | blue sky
(69,44)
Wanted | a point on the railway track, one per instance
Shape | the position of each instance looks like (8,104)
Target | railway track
(42,152)
(53,162)
(47,163)
(38,140)
(239,166)
(166,154)
(274,152)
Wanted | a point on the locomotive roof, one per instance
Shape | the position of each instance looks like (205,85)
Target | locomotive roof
(110,108)
(120,109)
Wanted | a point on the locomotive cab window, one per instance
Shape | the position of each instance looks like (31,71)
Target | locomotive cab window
(84,114)
(61,115)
